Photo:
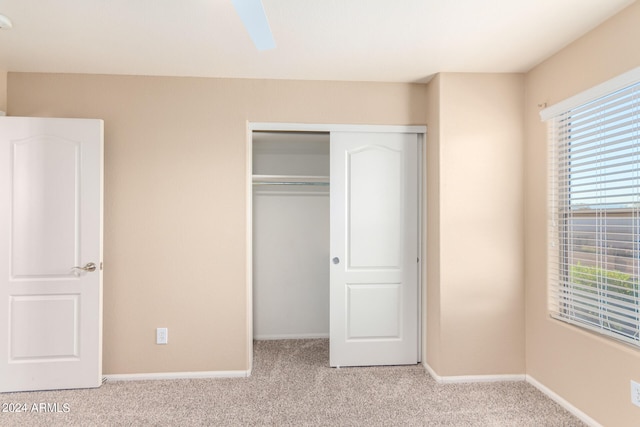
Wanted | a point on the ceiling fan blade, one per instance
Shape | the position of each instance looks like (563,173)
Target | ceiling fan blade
(255,21)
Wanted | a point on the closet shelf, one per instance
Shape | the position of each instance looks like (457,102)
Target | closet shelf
(290,180)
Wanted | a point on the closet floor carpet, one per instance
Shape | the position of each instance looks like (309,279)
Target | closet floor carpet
(292,385)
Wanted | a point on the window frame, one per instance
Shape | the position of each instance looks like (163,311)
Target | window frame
(562,247)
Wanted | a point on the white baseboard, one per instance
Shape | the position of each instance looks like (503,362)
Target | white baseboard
(177,375)
(562,402)
(289,337)
(528,378)
(472,378)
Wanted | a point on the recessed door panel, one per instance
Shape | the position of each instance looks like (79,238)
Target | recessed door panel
(374,311)
(374,194)
(44,327)
(44,222)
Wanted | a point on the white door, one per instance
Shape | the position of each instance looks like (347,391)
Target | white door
(374,249)
(50,224)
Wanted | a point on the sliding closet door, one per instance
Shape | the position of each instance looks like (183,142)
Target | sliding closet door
(374,249)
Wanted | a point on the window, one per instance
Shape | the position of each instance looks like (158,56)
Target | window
(594,228)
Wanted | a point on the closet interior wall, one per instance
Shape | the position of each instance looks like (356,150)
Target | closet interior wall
(290,235)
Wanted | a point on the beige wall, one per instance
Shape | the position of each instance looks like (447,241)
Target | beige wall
(175,201)
(590,372)
(3,91)
(432,345)
(175,207)
(476,292)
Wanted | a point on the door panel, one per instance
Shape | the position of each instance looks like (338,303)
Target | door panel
(374,247)
(51,221)
(374,203)
(383,299)
(44,245)
(43,327)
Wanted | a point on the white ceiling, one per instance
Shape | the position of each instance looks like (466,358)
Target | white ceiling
(366,40)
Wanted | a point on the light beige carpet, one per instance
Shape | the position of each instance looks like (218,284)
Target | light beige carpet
(292,385)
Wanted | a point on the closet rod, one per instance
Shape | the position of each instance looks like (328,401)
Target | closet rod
(288,183)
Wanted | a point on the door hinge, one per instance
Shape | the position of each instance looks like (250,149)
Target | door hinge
(100,265)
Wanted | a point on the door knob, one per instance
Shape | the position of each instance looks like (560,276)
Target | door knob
(336,260)
(88,267)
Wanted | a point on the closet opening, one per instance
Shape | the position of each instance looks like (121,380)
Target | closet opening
(290,209)
(335,240)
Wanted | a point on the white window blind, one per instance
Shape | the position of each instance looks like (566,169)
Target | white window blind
(594,229)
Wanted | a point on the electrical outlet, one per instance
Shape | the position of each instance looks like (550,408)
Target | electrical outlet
(635,393)
(162,336)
